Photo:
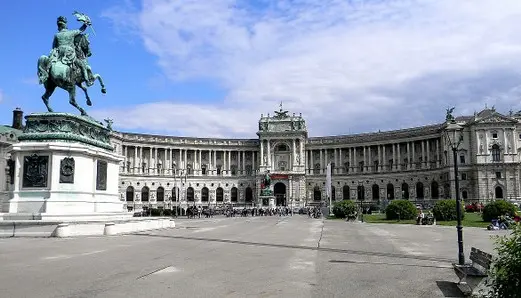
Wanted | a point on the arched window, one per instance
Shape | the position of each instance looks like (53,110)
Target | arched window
(499,192)
(464,195)
(346,192)
(190,194)
(234,194)
(317,194)
(130,194)
(496,153)
(435,191)
(376,192)
(248,195)
(419,191)
(333,195)
(390,191)
(405,191)
(160,194)
(204,194)
(145,193)
(219,194)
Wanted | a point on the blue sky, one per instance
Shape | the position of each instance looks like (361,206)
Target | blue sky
(210,68)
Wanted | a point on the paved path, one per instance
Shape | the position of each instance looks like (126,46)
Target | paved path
(241,257)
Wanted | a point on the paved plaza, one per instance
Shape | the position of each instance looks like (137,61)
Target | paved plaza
(242,257)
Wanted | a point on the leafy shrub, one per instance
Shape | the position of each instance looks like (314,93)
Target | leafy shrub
(446,210)
(400,209)
(343,208)
(496,209)
(505,277)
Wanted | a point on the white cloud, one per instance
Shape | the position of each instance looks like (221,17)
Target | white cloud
(348,66)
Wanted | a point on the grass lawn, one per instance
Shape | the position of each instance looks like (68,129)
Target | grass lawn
(470,220)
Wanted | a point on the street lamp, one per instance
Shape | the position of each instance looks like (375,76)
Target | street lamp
(361,193)
(454,138)
(176,193)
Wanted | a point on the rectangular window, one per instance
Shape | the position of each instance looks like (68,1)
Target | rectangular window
(498,175)
(494,135)
(463,176)
(462,159)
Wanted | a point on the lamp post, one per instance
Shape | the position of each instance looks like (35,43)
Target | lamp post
(454,138)
(361,198)
(176,193)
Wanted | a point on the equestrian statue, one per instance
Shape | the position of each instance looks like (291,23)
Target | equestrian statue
(66,66)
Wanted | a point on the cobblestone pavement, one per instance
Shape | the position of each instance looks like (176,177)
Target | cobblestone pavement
(242,257)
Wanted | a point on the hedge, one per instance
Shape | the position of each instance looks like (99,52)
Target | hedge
(400,209)
(445,210)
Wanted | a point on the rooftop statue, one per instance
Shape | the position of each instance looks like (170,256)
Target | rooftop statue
(449,116)
(66,66)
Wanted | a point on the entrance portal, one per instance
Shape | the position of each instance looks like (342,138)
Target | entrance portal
(279,190)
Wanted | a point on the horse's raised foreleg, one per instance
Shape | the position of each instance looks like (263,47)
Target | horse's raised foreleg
(72,100)
(89,103)
(98,77)
(49,90)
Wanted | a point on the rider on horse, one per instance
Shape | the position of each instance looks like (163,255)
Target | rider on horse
(63,50)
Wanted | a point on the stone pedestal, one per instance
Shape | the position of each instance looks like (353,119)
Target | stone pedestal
(64,167)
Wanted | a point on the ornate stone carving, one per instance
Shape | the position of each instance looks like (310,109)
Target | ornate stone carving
(66,127)
(67,170)
(35,171)
(101,175)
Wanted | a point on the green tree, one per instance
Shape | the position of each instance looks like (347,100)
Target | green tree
(505,274)
(497,209)
(343,208)
(445,210)
(400,209)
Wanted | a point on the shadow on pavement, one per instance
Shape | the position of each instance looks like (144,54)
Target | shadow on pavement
(389,264)
(449,289)
(322,249)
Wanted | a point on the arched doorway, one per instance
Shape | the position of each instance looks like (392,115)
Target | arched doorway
(130,194)
(317,194)
(375,189)
(435,193)
(279,190)
(249,195)
(160,194)
(390,191)
(499,192)
(405,191)
(346,192)
(419,191)
(205,194)
(234,194)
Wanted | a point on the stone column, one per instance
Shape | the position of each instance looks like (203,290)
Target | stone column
(428,153)
(384,159)
(293,154)
(312,162)
(394,157)
(244,162)
(301,148)
(355,161)
(505,139)
(340,161)
(200,164)
(379,158)
(229,163)
(438,155)
(135,162)
(140,160)
(321,162)
(269,152)
(186,159)
(336,160)
(413,155)
(399,157)
(423,155)
(409,165)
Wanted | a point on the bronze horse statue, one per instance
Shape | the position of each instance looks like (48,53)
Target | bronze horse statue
(68,77)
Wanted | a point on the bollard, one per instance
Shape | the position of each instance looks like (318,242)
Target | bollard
(110,229)
(63,230)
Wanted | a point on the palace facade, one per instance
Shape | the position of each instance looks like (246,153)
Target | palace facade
(413,163)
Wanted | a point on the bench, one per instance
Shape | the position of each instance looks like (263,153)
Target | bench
(471,275)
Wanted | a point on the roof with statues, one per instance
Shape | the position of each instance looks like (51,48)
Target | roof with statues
(282,122)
